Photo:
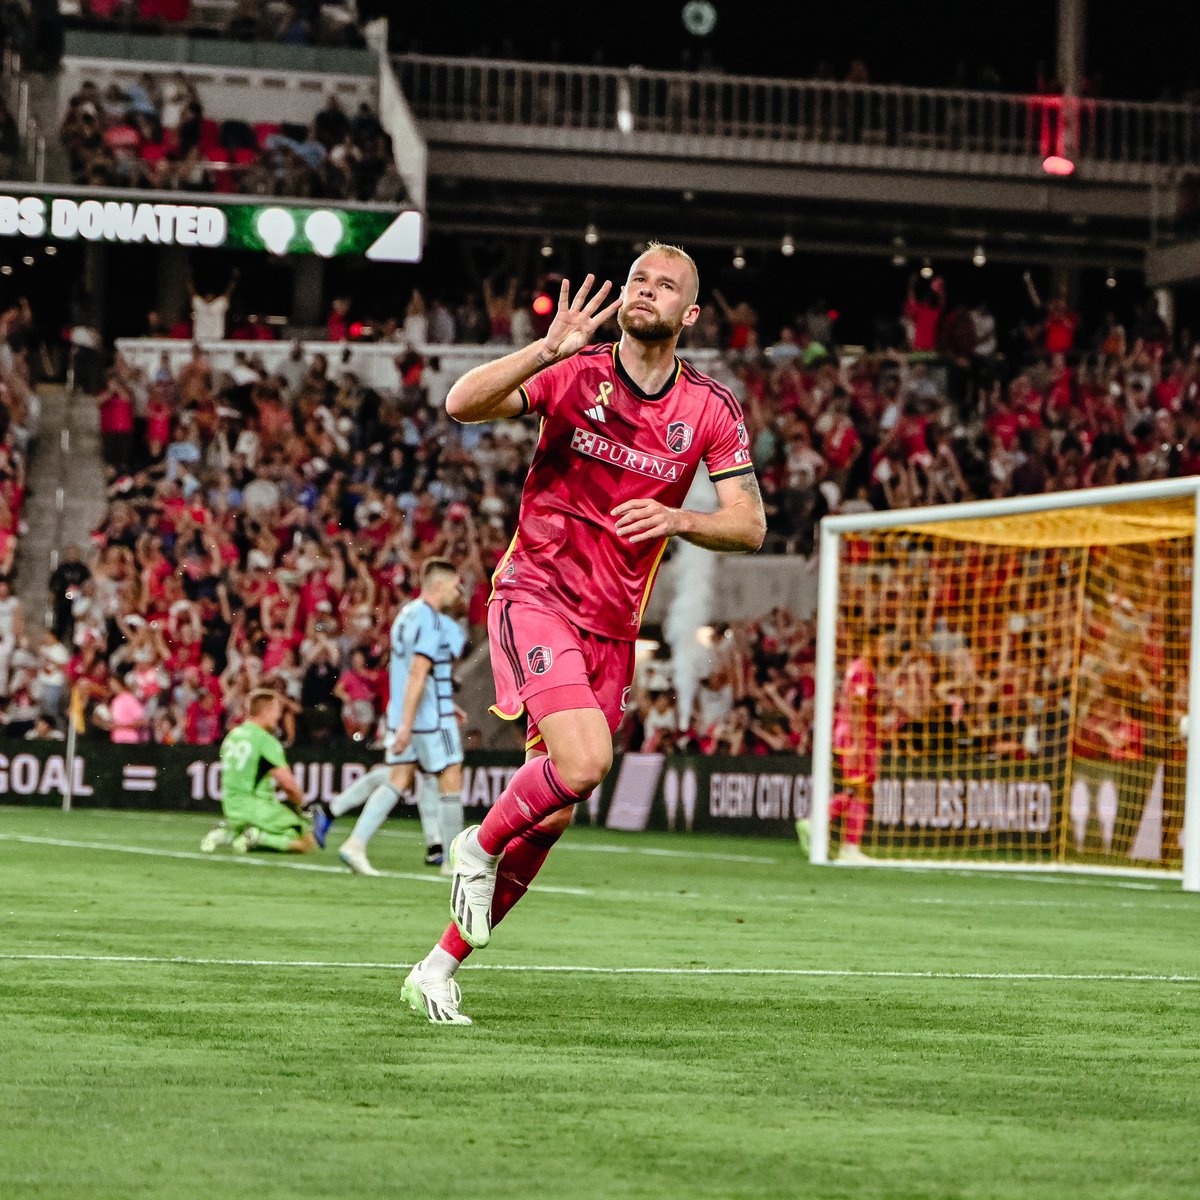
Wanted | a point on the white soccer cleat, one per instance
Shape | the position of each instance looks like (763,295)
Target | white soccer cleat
(435,996)
(852,854)
(245,841)
(356,859)
(474,883)
(446,871)
(219,835)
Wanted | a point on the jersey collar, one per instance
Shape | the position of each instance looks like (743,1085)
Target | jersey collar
(624,376)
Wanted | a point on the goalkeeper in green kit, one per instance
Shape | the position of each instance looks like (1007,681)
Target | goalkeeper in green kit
(252,765)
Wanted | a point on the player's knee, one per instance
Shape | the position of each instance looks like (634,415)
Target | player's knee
(585,768)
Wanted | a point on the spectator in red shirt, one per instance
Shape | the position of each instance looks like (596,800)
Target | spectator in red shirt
(202,726)
(116,426)
(923,313)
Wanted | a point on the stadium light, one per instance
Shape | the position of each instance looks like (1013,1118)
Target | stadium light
(1058,164)
(1110,280)
(542,305)
(739,258)
(979,257)
(591,235)
(547,248)
(788,246)
(927,270)
(51,251)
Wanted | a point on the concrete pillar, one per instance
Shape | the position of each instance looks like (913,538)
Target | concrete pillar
(1072,20)
(308,290)
(172,299)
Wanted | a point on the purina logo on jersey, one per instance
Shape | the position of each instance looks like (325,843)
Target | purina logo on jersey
(679,436)
(539,659)
(595,445)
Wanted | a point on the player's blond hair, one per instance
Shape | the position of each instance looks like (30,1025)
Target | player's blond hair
(679,254)
(259,699)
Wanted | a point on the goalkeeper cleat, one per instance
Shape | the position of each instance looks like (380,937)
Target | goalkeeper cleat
(852,854)
(434,855)
(355,857)
(246,840)
(804,836)
(219,835)
(474,884)
(322,819)
(435,996)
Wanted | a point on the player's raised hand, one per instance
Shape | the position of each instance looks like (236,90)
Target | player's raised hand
(576,320)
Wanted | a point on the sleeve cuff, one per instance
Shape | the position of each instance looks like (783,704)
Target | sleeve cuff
(525,406)
(732,472)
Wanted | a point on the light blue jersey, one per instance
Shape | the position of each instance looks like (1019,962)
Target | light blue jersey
(421,629)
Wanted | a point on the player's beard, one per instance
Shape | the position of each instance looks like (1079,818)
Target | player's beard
(644,326)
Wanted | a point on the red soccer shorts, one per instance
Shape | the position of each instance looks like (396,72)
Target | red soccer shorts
(543,664)
(857,755)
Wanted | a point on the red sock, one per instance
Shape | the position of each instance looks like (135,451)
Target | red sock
(534,792)
(523,858)
(856,821)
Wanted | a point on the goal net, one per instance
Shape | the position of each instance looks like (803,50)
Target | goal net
(1006,683)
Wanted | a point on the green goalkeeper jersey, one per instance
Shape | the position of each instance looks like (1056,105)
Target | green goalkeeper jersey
(248,756)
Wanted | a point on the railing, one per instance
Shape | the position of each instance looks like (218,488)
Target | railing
(31,159)
(373,362)
(755,111)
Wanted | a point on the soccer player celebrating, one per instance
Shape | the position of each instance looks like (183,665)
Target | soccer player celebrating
(422,726)
(252,764)
(624,430)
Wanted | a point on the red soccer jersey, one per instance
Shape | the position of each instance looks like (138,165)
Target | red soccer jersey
(604,441)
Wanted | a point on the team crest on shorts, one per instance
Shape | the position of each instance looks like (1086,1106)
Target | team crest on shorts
(679,436)
(539,659)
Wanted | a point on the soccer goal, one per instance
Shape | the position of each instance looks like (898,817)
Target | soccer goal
(1006,684)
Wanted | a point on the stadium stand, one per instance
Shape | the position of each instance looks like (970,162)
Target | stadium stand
(267,516)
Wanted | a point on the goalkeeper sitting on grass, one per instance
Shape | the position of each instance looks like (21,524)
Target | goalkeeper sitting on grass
(252,764)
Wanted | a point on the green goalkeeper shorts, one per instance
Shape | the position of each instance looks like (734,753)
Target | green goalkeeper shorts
(268,815)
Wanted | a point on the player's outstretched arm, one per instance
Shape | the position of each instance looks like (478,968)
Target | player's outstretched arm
(738,525)
(489,391)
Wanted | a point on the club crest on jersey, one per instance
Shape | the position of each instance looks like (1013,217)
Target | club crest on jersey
(679,436)
(742,436)
(539,659)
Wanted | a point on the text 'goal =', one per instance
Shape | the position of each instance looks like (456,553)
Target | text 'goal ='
(1006,683)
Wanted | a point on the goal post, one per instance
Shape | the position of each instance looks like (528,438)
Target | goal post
(1005,684)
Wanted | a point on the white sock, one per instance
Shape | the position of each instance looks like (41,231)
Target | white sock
(382,801)
(429,806)
(439,963)
(359,791)
(450,814)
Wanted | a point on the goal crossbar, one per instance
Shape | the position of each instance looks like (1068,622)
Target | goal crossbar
(834,528)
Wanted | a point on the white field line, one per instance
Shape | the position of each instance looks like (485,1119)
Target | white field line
(615,894)
(289,864)
(539,969)
(405,835)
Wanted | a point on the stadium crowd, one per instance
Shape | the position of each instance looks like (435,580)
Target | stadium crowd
(154,133)
(265,526)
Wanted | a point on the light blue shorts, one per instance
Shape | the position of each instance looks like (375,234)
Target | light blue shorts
(432,752)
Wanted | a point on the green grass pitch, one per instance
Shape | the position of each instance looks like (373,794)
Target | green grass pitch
(911,1034)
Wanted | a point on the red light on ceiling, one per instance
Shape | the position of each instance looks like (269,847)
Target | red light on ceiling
(542,304)
(1056,164)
